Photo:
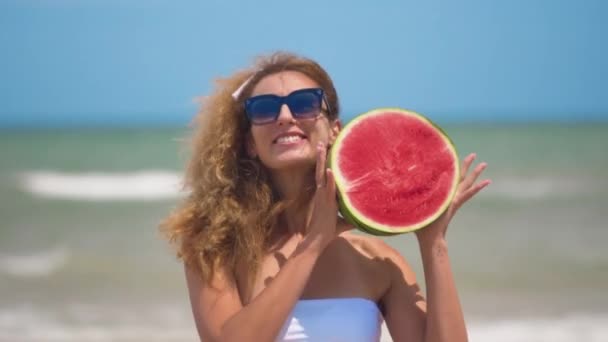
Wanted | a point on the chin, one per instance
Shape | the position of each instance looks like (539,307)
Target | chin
(285,162)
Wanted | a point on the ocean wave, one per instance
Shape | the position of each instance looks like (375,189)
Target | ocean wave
(38,264)
(27,323)
(164,323)
(539,188)
(575,327)
(159,185)
(102,186)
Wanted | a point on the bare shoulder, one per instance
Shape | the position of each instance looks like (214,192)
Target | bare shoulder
(375,248)
(368,245)
(396,288)
(386,262)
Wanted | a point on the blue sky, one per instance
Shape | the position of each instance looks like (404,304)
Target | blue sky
(89,62)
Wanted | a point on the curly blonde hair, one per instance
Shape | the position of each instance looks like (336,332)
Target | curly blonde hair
(231,207)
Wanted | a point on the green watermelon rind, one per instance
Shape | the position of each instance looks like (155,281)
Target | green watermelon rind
(360,226)
(353,215)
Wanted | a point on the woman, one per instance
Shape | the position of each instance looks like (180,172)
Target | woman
(266,256)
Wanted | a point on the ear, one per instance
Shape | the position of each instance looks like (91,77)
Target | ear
(334,129)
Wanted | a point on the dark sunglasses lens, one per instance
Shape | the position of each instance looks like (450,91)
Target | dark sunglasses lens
(305,104)
(263,110)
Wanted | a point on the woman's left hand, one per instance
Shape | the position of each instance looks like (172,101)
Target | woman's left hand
(467,188)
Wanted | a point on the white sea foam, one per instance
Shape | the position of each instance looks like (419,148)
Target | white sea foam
(539,188)
(568,328)
(574,327)
(103,186)
(159,184)
(39,264)
(27,323)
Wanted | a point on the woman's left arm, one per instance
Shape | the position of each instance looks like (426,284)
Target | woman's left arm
(409,317)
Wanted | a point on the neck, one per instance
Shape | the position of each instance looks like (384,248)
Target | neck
(296,187)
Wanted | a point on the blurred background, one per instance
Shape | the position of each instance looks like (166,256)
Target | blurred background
(96,97)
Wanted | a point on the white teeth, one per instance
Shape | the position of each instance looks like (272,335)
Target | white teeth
(289,139)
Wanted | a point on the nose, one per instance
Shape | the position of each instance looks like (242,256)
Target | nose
(285,115)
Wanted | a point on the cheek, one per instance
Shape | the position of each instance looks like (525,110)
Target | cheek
(259,138)
(321,133)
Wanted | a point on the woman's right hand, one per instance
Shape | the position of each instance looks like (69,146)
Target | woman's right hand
(321,228)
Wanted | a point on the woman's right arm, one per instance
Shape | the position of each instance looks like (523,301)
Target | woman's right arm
(220,315)
(218,311)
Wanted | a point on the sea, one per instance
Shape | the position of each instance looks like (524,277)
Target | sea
(82,259)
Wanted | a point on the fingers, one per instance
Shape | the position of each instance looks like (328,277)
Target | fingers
(467,187)
(330,184)
(470,179)
(320,169)
(470,192)
(466,163)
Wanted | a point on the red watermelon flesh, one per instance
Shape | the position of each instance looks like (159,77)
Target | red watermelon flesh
(397,171)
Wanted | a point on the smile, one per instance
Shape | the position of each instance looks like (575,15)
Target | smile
(289,138)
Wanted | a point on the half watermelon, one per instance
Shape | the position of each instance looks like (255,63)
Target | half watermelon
(395,170)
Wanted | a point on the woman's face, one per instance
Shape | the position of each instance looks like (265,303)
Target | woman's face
(289,142)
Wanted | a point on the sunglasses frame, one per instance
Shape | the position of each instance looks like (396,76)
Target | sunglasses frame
(284,100)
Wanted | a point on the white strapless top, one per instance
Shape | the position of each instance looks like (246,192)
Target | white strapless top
(333,320)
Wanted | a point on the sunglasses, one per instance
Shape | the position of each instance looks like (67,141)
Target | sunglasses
(302,103)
